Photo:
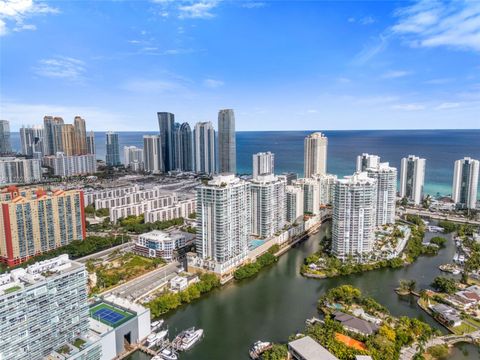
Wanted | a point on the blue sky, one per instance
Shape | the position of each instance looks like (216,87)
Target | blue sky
(282,65)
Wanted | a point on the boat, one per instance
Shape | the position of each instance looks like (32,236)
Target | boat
(167,354)
(151,339)
(156,325)
(161,336)
(258,348)
(188,338)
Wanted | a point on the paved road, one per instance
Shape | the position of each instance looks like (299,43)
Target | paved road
(440,216)
(136,288)
(104,253)
(407,353)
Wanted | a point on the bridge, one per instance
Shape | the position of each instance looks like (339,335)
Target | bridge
(407,353)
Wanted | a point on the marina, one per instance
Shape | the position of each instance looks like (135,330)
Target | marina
(158,344)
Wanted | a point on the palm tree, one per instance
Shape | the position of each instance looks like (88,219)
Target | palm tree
(427,201)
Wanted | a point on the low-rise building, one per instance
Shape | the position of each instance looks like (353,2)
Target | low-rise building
(308,349)
(119,323)
(19,171)
(109,193)
(161,244)
(179,283)
(71,165)
(446,314)
(181,209)
(354,324)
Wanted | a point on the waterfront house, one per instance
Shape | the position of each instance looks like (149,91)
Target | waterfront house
(465,299)
(308,349)
(354,324)
(474,288)
(446,315)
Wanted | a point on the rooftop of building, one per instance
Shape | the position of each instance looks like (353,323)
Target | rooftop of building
(24,194)
(110,314)
(224,180)
(309,349)
(353,322)
(14,158)
(160,235)
(21,278)
(317,134)
(358,178)
(383,166)
(265,179)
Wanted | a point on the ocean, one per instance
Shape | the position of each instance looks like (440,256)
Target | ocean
(440,147)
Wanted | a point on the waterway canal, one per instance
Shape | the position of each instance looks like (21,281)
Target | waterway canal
(275,304)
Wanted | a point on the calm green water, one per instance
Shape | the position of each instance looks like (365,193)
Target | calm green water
(276,303)
(465,352)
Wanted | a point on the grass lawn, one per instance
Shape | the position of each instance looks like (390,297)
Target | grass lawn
(78,342)
(462,329)
(12,289)
(473,322)
(123,268)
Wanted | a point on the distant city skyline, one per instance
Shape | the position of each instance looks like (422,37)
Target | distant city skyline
(279,65)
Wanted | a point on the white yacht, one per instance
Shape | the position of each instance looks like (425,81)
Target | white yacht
(156,325)
(151,339)
(190,338)
(168,354)
(161,335)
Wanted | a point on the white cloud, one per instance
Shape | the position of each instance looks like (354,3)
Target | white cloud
(367,20)
(178,51)
(453,24)
(371,50)
(212,83)
(19,114)
(394,74)
(151,86)
(61,67)
(25,27)
(253,4)
(3,28)
(312,111)
(409,107)
(448,105)
(197,10)
(17,11)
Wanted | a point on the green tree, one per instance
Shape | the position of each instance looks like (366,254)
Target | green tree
(438,240)
(277,352)
(103,212)
(444,284)
(448,226)
(439,352)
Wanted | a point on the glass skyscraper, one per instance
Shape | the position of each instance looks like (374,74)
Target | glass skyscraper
(5,147)
(166,123)
(112,157)
(227,150)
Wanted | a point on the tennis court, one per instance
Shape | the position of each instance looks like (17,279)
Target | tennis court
(109,315)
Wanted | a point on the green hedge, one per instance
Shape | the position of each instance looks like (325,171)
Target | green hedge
(169,300)
(252,269)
